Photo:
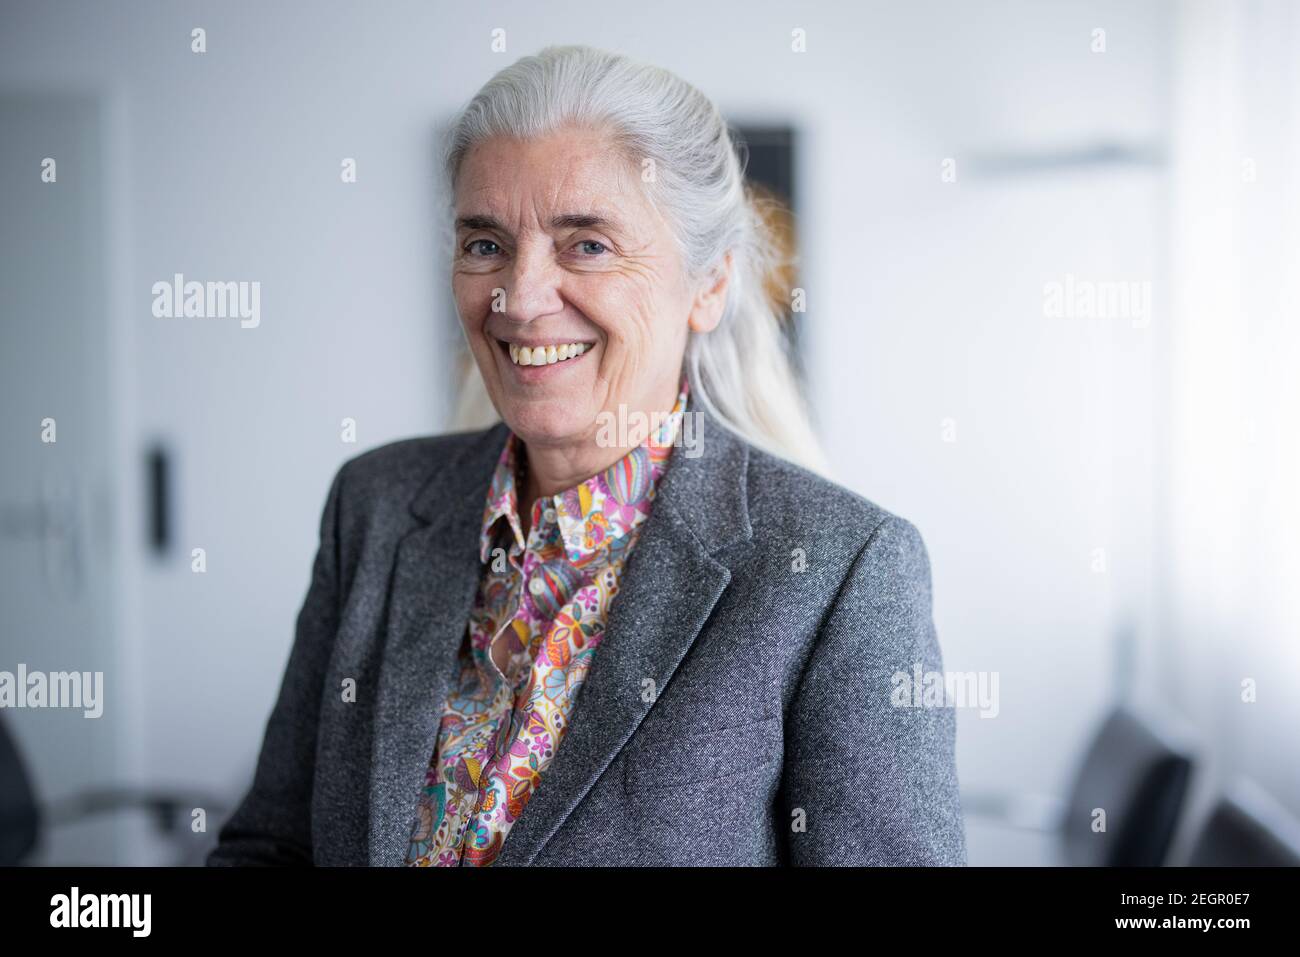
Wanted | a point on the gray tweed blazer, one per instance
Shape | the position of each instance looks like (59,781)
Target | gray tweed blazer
(737,712)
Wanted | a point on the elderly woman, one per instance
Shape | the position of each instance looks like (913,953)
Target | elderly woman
(624,625)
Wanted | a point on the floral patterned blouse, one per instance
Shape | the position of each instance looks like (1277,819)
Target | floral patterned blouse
(541,608)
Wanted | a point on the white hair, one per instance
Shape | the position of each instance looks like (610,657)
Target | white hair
(740,371)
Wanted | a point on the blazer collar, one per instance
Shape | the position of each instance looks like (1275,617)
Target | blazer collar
(669,588)
(705,480)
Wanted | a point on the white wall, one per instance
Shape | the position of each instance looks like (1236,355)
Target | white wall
(1228,657)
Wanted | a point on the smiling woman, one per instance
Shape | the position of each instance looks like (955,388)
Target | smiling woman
(561,643)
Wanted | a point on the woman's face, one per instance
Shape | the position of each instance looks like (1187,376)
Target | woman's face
(557,246)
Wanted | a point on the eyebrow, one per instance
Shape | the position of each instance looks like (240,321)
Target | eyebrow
(582,221)
(477,222)
(563,221)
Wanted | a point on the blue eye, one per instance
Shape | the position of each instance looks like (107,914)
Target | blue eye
(469,247)
(600,247)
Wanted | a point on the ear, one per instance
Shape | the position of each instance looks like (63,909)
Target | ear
(711,301)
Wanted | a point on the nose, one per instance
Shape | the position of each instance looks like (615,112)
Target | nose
(533,287)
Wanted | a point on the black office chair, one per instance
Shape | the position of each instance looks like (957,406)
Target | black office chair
(20,821)
(1139,778)
(1133,773)
(23,819)
(1247,828)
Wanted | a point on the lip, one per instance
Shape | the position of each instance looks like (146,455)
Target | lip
(536,373)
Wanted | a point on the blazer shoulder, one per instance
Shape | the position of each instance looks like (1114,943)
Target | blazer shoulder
(800,504)
(380,484)
(389,468)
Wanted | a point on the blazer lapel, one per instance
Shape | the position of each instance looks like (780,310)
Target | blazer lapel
(433,584)
(668,590)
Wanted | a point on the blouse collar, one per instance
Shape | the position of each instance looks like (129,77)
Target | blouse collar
(597,513)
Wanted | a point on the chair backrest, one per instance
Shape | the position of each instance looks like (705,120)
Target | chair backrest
(1247,828)
(19,817)
(1127,796)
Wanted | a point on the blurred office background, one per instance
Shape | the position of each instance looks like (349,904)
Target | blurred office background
(1109,502)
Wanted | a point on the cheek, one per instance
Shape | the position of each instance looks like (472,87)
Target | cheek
(630,312)
(473,297)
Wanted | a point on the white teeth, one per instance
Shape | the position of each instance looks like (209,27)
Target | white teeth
(545,355)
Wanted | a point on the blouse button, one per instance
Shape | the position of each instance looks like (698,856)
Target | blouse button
(549,515)
(537,586)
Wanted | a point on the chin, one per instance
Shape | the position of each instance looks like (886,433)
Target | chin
(546,422)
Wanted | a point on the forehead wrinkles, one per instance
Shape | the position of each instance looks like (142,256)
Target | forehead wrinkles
(584,177)
(587,175)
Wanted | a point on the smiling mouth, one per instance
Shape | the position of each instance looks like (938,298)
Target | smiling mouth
(543,355)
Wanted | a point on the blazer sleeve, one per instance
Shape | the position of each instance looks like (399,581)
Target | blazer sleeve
(874,776)
(272,825)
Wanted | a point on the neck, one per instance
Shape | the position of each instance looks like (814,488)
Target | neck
(551,469)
